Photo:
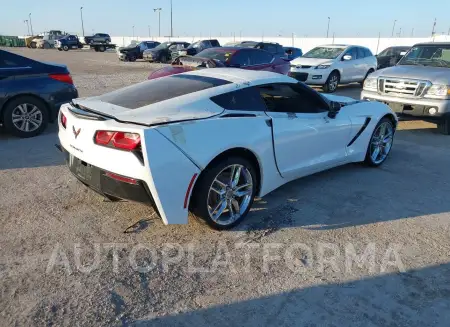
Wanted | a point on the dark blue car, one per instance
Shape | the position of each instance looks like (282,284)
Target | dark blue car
(293,53)
(31,93)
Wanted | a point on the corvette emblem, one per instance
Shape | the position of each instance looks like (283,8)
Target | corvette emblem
(76,132)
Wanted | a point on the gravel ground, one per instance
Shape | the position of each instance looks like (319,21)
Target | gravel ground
(70,258)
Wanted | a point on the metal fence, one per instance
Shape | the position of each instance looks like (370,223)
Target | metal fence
(11,41)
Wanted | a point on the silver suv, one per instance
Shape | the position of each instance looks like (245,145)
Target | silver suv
(418,86)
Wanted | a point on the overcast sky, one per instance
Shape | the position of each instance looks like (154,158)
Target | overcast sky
(349,18)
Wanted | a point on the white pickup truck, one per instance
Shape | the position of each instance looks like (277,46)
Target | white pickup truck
(418,86)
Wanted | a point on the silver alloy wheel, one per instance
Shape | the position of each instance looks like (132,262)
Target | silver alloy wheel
(230,194)
(333,83)
(381,142)
(27,117)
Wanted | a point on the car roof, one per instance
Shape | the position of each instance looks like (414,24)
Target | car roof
(236,75)
(433,43)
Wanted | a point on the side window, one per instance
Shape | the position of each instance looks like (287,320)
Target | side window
(248,99)
(271,48)
(361,53)
(241,58)
(215,43)
(289,98)
(352,52)
(143,46)
(368,53)
(279,49)
(260,57)
(186,45)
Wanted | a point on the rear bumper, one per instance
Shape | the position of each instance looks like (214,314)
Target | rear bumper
(98,180)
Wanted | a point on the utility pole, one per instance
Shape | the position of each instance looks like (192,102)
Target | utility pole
(378,44)
(328,28)
(333,37)
(240,35)
(293,39)
(449,31)
(31,25)
(28,26)
(133,31)
(159,19)
(171,25)
(412,32)
(400,32)
(149,34)
(434,26)
(82,24)
(393,28)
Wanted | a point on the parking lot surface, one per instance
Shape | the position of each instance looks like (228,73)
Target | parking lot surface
(68,257)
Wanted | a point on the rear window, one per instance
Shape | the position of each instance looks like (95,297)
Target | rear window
(223,55)
(160,89)
(10,60)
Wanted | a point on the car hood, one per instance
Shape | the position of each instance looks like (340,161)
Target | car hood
(436,75)
(342,100)
(160,113)
(310,61)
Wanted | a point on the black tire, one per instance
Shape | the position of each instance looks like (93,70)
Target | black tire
(443,126)
(132,58)
(101,48)
(368,73)
(59,49)
(33,45)
(8,116)
(65,47)
(368,160)
(330,85)
(199,206)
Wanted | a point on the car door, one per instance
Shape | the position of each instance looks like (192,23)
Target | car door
(305,139)
(361,64)
(348,68)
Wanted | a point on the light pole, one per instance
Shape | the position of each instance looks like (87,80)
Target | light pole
(28,26)
(328,28)
(82,24)
(133,31)
(31,25)
(400,32)
(149,34)
(159,20)
(393,28)
(171,22)
(412,32)
(434,26)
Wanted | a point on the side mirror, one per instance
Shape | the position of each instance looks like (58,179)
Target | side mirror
(402,53)
(334,109)
(347,58)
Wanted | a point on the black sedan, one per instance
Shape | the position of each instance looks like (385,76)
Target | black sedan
(31,93)
(165,52)
(135,50)
(391,56)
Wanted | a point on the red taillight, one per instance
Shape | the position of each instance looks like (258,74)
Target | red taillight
(63,120)
(65,78)
(119,140)
(103,137)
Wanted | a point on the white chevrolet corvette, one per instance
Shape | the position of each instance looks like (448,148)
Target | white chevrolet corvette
(209,141)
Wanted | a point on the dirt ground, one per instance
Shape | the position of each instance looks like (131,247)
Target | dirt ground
(353,246)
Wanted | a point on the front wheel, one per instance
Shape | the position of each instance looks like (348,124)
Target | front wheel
(224,193)
(66,48)
(332,82)
(132,58)
(25,117)
(380,143)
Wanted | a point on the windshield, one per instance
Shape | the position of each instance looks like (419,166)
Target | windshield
(217,54)
(428,55)
(195,45)
(392,52)
(163,45)
(324,53)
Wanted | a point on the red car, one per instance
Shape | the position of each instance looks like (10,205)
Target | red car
(237,57)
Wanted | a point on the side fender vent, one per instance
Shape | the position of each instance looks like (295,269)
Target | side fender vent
(363,127)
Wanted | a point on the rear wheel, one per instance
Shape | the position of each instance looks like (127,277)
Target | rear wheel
(225,192)
(25,116)
(132,58)
(33,45)
(444,126)
(65,47)
(380,143)
(102,48)
(332,82)
(368,73)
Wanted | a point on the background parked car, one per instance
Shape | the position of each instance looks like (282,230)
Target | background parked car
(164,52)
(68,42)
(98,38)
(135,51)
(252,59)
(292,52)
(391,56)
(31,93)
(274,48)
(199,46)
(330,65)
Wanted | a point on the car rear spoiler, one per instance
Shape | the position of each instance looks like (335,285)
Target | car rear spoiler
(196,62)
